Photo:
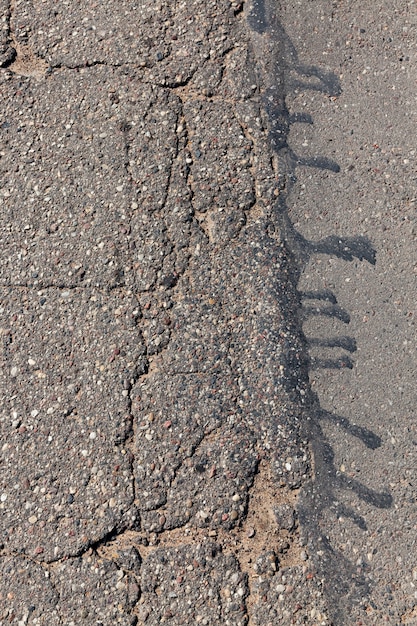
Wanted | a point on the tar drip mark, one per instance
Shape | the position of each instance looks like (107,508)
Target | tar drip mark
(280,72)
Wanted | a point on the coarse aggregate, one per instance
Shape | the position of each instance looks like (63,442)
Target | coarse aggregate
(193,584)
(6,51)
(153,372)
(237,370)
(143,380)
(68,357)
(82,590)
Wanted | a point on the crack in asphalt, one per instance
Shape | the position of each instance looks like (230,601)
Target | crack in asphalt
(292,358)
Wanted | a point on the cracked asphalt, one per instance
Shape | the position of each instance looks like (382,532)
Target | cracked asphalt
(162,454)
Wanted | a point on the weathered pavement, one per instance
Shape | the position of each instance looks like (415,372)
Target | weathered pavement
(163,460)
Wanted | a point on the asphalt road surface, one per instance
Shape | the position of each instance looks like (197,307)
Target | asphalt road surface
(349,74)
(207,313)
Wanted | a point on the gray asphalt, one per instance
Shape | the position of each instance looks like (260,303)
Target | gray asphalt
(208,234)
(359,317)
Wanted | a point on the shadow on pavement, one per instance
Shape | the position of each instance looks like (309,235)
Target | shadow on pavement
(281,72)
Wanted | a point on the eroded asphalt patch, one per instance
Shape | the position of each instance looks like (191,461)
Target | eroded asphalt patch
(154,375)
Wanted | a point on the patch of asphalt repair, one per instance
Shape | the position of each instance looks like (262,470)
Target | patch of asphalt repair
(155,370)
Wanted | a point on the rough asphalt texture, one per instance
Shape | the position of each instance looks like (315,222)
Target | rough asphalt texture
(147,315)
(163,458)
